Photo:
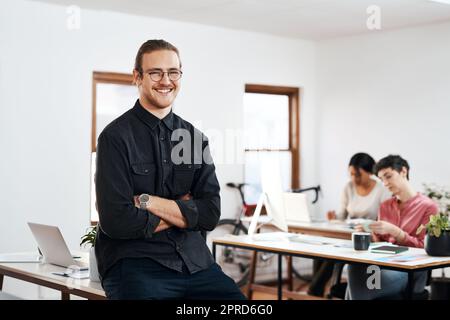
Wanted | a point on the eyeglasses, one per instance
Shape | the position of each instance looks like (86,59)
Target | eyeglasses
(157,75)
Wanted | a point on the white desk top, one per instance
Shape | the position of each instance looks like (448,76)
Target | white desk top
(43,271)
(332,248)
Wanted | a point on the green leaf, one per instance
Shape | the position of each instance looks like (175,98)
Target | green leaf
(89,237)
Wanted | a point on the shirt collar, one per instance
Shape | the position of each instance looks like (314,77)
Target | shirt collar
(168,120)
(150,119)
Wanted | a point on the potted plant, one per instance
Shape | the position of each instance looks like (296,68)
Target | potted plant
(89,239)
(437,239)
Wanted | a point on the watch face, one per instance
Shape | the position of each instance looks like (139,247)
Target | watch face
(144,198)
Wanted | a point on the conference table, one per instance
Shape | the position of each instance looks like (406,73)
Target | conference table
(331,249)
(333,229)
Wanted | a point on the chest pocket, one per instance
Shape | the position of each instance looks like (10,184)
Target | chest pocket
(183,176)
(144,177)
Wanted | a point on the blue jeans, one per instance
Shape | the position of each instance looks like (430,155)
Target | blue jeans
(143,278)
(391,283)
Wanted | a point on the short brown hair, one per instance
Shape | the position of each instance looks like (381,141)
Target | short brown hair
(395,162)
(150,46)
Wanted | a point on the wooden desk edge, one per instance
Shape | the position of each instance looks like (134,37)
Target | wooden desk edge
(318,231)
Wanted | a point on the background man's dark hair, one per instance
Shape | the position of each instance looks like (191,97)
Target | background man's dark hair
(362,161)
(150,46)
(394,162)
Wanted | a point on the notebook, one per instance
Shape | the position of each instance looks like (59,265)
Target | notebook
(389,249)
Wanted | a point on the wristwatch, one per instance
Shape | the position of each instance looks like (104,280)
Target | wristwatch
(144,200)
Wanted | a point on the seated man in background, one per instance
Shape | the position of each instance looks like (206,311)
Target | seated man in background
(361,198)
(398,220)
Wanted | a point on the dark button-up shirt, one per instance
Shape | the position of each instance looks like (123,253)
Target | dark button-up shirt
(139,153)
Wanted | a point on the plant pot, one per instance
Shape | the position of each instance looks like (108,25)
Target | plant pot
(93,269)
(438,246)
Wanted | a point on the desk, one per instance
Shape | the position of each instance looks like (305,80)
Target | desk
(338,230)
(335,229)
(281,245)
(41,274)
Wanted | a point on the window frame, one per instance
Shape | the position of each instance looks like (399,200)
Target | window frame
(293,94)
(102,77)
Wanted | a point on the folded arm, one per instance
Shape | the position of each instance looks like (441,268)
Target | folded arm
(167,210)
(119,218)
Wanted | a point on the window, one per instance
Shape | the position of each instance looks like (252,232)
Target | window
(112,95)
(271,125)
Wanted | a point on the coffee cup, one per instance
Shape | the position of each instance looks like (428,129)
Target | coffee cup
(361,240)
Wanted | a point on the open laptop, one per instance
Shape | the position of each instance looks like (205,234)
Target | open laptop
(53,247)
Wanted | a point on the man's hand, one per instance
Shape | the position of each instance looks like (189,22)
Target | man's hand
(166,209)
(186,197)
(163,225)
(137,203)
(385,228)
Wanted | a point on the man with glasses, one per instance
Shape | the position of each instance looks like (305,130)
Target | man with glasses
(154,198)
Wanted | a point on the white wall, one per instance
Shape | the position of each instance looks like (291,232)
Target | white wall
(384,93)
(45,99)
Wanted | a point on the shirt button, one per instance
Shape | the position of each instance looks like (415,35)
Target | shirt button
(165,160)
(162,138)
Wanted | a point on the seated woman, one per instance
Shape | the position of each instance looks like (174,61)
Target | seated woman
(361,198)
(398,220)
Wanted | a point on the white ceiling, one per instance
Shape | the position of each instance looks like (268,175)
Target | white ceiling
(306,19)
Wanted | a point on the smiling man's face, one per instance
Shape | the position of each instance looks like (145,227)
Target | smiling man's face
(158,94)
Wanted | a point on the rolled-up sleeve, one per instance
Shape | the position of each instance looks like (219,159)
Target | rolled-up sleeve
(119,218)
(417,240)
(202,212)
